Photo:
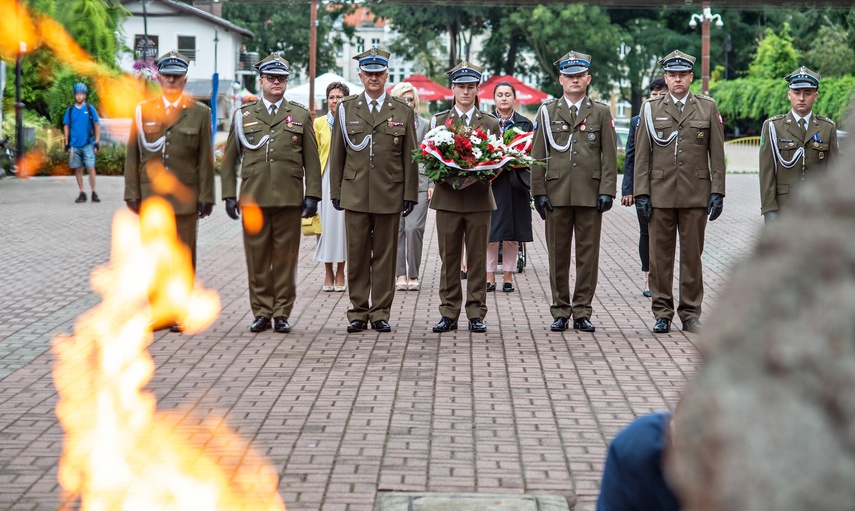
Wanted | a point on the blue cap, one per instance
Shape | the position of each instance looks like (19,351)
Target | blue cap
(373,60)
(573,63)
(803,78)
(80,87)
(465,73)
(677,61)
(173,63)
(273,64)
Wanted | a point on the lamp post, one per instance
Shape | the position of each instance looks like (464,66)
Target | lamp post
(705,17)
(19,104)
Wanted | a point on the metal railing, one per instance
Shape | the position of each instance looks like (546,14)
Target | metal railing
(743,154)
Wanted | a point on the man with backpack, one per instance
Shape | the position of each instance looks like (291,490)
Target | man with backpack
(82,139)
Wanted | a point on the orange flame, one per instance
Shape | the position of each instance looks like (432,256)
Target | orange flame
(120,453)
(253,219)
(31,162)
(16,27)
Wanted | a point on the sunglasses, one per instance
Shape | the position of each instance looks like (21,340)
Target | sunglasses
(408,100)
(276,78)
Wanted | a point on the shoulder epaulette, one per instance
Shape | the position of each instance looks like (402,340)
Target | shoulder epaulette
(440,114)
(777,117)
(550,101)
(349,98)
(400,100)
(598,100)
(826,119)
(298,105)
(702,96)
(251,102)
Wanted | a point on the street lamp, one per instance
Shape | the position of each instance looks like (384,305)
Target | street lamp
(705,17)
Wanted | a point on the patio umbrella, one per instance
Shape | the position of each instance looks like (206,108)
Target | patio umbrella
(525,95)
(428,89)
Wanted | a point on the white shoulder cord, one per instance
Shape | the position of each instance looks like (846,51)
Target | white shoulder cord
(433,122)
(238,124)
(365,142)
(550,140)
(788,164)
(152,147)
(651,132)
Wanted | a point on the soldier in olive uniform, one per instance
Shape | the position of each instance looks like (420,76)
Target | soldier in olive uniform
(796,146)
(171,136)
(576,136)
(373,179)
(679,180)
(464,214)
(273,142)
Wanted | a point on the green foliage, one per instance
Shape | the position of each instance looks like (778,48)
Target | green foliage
(776,57)
(754,100)
(286,29)
(61,95)
(94,24)
(830,53)
(109,161)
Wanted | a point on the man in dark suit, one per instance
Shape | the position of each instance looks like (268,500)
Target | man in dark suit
(273,143)
(576,137)
(171,141)
(679,180)
(464,214)
(657,88)
(373,179)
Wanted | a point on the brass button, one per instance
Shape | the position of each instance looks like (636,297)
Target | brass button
(575,152)
(680,164)
(574,163)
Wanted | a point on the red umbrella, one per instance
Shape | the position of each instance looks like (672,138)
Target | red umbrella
(525,95)
(428,89)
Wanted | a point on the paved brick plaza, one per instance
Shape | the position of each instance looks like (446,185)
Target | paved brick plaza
(345,417)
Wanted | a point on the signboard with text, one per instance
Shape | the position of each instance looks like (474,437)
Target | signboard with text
(143,50)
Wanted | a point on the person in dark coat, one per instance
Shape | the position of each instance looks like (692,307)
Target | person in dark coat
(511,220)
(657,88)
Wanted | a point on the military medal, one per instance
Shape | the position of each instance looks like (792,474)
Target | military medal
(582,127)
(389,122)
(816,144)
(395,141)
(288,120)
(660,134)
(700,134)
(821,155)
(294,138)
(592,136)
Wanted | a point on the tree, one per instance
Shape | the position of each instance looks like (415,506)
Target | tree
(286,30)
(830,53)
(776,57)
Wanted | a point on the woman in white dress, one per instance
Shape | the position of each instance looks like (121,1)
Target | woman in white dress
(331,247)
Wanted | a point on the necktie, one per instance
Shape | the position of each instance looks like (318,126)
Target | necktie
(169,110)
(573,115)
(272,110)
(466,119)
(375,109)
(802,127)
(679,106)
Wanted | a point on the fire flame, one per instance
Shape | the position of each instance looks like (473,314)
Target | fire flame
(120,453)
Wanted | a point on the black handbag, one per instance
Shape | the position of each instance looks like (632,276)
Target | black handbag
(521,179)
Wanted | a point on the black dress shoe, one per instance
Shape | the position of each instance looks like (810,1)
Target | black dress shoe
(260,324)
(692,325)
(662,326)
(507,287)
(559,325)
(462,275)
(281,325)
(477,325)
(445,324)
(491,287)
(356,326)
(381,325)
(583,324)
(177,328)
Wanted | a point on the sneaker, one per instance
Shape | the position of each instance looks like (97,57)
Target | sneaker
(81,198)
(95,197)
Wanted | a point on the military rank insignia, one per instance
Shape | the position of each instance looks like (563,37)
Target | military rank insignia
(591,136)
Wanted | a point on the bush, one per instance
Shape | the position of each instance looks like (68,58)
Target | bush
(109,161)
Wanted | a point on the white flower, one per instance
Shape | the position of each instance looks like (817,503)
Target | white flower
(474,139)
(477,153)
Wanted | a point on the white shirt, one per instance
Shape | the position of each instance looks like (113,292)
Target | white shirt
(268,103)
(167,104)
(379,101)
(806,118)
(674,99)
(465,117)
(577,104)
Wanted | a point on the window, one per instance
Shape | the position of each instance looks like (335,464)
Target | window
(360,45)
(187,46)
(375,42)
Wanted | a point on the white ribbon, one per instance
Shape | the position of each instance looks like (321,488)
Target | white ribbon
(356,147)
(788,164)
(481,166)
(550,140)
(651,132)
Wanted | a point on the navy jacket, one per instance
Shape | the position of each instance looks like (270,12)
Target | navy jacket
(629,162)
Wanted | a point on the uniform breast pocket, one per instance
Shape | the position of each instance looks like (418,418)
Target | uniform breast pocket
(699,131)
(663,129)
(786,148)
(591,134)
(253,133)
(560,132)
(356,132)
(395,138)
(820,150)
(152,132)
(295,135)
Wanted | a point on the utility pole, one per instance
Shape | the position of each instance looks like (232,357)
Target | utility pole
(313,54)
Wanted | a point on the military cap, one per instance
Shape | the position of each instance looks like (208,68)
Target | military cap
(803,78)
(273,64)
(573,63)
(465,73)
(677,61)
(373,60)
(173,63)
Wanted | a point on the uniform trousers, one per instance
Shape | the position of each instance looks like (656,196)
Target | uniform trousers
(411,236)
(453,230)
(186,227)
(561,224)
(691,224)
(372,244)
(271,261)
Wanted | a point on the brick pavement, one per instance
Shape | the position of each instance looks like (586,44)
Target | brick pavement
(344,417)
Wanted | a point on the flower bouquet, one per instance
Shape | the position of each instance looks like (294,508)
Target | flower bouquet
(519,144)
(461,156)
